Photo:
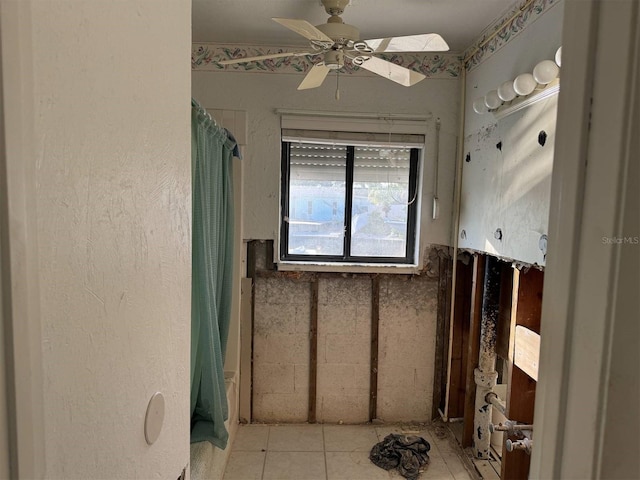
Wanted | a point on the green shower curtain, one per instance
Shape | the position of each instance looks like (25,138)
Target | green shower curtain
(211,159)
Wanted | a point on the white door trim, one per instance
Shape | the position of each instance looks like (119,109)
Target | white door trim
(21,299)
(587,200)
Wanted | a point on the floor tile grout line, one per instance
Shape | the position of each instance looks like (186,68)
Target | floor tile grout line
(266,452)
(440,449)
(324,451)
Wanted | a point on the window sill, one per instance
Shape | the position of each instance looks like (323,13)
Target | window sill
(348,267)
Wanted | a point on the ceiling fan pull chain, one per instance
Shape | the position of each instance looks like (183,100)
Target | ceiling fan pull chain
(337,84)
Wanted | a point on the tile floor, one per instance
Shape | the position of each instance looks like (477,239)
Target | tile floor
(333,452)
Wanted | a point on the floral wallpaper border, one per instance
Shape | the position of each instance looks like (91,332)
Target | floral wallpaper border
(205,57)
(507,29)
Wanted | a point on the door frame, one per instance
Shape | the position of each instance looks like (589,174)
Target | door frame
(582,279)
(22,349)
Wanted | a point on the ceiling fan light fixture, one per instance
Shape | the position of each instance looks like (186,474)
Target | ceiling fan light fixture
(334,59)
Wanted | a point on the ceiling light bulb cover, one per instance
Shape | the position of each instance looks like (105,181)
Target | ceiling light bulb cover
(545,72)
(524,84)
(491,100)
(559,57)
(479,106)
(506,91)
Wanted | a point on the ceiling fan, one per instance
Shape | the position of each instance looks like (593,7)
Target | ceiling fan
(339,42)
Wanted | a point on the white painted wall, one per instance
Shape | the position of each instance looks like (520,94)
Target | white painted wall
(100,123)
(510,189)
(259,94)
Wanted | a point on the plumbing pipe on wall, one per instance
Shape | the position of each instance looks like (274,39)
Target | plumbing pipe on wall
(485,375)
(497,402)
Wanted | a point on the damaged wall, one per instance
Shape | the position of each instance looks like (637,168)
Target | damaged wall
(407,309)
(408,314)
(282,307)
(506,181)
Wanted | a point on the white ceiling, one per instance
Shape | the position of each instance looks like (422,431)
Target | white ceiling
(249,21)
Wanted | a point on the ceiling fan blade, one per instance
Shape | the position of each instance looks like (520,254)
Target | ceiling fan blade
(393,72)
(427,42)
(304,28)
(315,77)
(264,57)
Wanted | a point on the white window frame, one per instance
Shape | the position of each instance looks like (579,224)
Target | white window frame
(361,129)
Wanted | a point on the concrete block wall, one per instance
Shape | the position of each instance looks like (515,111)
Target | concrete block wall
(281,346)
(407,332)
(281,350)
(344,349)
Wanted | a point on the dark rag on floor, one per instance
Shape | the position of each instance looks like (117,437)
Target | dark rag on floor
(406,453)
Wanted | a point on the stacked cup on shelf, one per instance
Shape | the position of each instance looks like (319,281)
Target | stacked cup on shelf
(544,73)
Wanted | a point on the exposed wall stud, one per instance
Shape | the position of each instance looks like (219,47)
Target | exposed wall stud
(375,323)
(442,339)
(473,347)
(313,352)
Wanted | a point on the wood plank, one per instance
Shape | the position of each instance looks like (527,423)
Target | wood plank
(442,337)
(461,315)
(514,312)
(526,313)
(473,347)
(527,351)
(504,315)
(485,469)
(375,322)
(313,352)
(522,393)
(529,306)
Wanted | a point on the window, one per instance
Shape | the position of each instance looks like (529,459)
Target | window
(345,201)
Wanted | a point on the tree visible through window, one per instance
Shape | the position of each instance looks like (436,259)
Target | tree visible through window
(348,203)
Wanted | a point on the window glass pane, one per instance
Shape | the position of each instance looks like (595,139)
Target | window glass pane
(317,199)
(380,202)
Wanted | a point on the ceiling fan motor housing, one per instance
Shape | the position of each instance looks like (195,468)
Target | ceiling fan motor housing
(339,32)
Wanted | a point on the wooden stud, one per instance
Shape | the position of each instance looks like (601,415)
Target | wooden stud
(526,355)
(375,323)
(521,398)
(504,315)
(525,312)
(529,305)
(313,352)
(473,347)
(442,337)
(459,340)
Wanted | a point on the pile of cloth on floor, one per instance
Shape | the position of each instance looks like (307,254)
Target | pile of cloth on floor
(407,453)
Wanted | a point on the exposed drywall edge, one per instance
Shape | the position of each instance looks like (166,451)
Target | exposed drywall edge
(516,263)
